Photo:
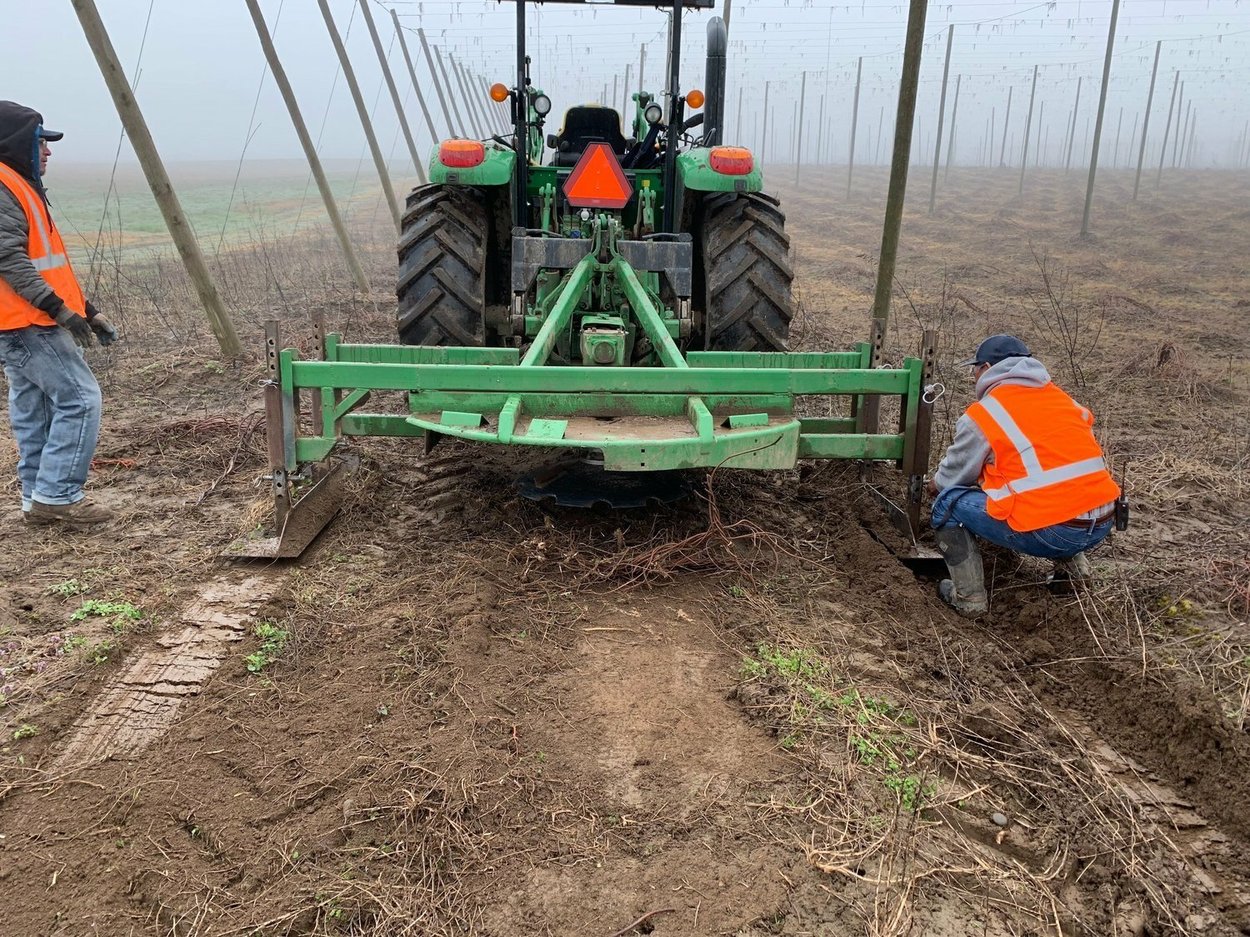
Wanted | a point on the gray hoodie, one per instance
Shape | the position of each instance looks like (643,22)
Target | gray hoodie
(970,450)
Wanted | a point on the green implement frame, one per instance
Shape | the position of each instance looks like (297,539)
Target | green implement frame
(698,410)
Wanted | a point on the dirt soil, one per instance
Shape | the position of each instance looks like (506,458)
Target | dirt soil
(462,712)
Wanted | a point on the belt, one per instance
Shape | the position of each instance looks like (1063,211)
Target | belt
(1089,523)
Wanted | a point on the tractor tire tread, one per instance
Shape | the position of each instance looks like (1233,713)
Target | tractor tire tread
(747,273)
(442,267)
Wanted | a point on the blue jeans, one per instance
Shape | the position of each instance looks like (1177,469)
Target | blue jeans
(54,409)
(956,507)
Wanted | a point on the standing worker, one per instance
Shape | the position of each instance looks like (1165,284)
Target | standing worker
(45,323)
(1023,471)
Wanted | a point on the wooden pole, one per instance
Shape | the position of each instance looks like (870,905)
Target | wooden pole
(467,96)
(903,122)
(950,140)
(395,98)
(472,106)
(494,116)
(795,133)
(1002,153)
(490,107)
(764,130)
(1167,128)
(824,138)
(412,73)
(438,86)
(937,148)
(625,106)
(850,159)
(989,155)
(1184,134)
(1102,106)
(1189,147)
(798,119)
(1037,146)
(880,128)
(642,70)
(1145,123)
(310,151)
(379,161)
(462,128)
(1180,106)
(1076,107)
(1115,158)
(154,169)
(1028,125)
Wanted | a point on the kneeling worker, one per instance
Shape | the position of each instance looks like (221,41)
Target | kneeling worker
(1023,471)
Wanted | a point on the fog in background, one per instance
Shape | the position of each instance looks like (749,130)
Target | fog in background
(201,73)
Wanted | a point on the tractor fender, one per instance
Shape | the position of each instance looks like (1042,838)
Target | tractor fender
(695,174)
(496,169)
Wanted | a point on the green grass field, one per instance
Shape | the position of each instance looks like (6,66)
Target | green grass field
(272,199)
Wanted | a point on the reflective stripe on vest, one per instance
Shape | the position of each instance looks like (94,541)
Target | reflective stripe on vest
(1044,478)
(1035,477)
(1047,467)
(49,260)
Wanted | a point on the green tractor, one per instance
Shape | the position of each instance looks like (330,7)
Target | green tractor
(624,299)
(487,247)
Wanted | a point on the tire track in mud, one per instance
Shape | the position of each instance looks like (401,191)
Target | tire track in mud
(140,704)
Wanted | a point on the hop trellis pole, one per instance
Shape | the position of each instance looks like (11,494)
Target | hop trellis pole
(305,141)
(937,150)
(1102,106)
(1145,124)
(394,91)
(158,179)
(349,75)
(903,123)
(412,74)
(1028,124)
(850,159)
(1167,128)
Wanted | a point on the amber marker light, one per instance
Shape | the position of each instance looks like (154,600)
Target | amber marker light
(695,98)
(499,92)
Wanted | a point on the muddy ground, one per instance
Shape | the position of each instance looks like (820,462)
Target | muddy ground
(465,713)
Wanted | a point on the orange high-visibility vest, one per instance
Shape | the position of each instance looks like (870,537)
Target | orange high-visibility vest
(46,252)
(1047,466)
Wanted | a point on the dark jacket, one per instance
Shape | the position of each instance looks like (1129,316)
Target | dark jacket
(19,149)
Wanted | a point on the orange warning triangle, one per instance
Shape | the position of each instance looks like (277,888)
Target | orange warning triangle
(597,181)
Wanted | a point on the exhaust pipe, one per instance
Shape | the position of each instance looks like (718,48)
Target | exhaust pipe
(714,81)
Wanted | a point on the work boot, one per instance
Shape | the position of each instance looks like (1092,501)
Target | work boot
(1070,573)
(82,513)
(965,590)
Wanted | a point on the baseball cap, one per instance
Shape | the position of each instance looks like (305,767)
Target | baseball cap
(997,347)
(50,135)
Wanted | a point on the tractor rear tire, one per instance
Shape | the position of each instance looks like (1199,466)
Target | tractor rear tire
(746,273)
(442,267)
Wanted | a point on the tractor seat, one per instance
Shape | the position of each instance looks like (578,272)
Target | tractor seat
(584,125)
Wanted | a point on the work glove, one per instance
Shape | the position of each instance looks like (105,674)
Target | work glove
(105,331)
(75,324)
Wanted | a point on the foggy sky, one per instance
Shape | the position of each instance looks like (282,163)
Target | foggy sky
(202,67)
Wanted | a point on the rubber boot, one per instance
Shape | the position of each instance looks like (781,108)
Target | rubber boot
(965,590)
(1070,573)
